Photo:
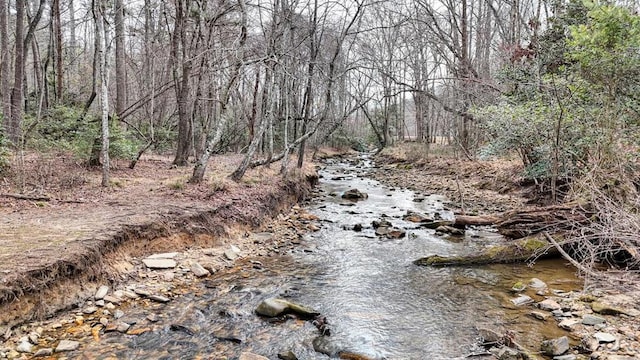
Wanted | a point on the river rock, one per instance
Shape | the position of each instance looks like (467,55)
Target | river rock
(396,234)
(589,319)
(67,345)
(606,309)
(381,223)
(273,307)
(43,352)
(198,270)
(569,324)
(251,356)
(122,327)
(522,300)
(537,284)
(489,335)
(287,355)
(90,310)
(604,337)
(539,315)
(415,217)
(159,298)
(505,353)
(232,253)
(357,227)
(555,347)
(112,299)
(446,229)
(153,263)
(549,305)
(101,293)
(354,194)
(24,346)
(589,343)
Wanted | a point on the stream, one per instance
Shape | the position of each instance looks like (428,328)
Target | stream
(376,301)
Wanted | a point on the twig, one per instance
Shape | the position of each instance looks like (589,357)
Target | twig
(569,258)
(26,197)
(461,195)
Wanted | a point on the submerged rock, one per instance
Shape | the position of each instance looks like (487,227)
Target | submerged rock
(522,300)
(287,355)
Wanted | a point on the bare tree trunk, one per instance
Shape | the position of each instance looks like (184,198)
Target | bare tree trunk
(17,95)
(121,77)
(182,85)
(101,39)
(4,66)
(57,30)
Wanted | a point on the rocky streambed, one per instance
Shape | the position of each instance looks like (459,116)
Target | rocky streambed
(337,279)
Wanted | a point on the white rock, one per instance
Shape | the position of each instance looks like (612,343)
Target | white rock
(67,345)
(90,310)
(123,327)
(101,293)
(230,254)
(100,303)
(604,337)
(251,356)
(43,352)
(198,270)
(170,255)
(549,305)
(118,314)
(24,347)
(522,300)
(159,263)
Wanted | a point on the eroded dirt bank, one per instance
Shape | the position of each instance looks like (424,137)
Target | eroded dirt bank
(65,238)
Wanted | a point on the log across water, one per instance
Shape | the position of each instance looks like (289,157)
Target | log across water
(513,251)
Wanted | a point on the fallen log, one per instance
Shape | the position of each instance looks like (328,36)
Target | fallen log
(513,251)
(26,197)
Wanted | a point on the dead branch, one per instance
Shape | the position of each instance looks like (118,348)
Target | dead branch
(26,197)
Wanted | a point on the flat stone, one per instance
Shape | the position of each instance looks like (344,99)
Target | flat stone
(159,298)
(159,263)
(539,315)
(549,305)
(123,327)
(230,254)
(101,293)
(569,323)
(566,357)
(198,270)
(522,300)
(169,255)
(67,345)
(90,310)
(592,320)
(129,294)
(142,292)
(43,352)
(604,337)
(112,299)
(251,356)
(100,303)
(555,347)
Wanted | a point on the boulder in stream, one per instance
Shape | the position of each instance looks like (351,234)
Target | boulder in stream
(274,307)
(354,194)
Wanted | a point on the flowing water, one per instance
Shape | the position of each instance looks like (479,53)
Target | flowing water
(377,302)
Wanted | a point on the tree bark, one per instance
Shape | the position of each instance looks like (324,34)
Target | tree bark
(101,39)
(121,77)
(17,95)
(5,85)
